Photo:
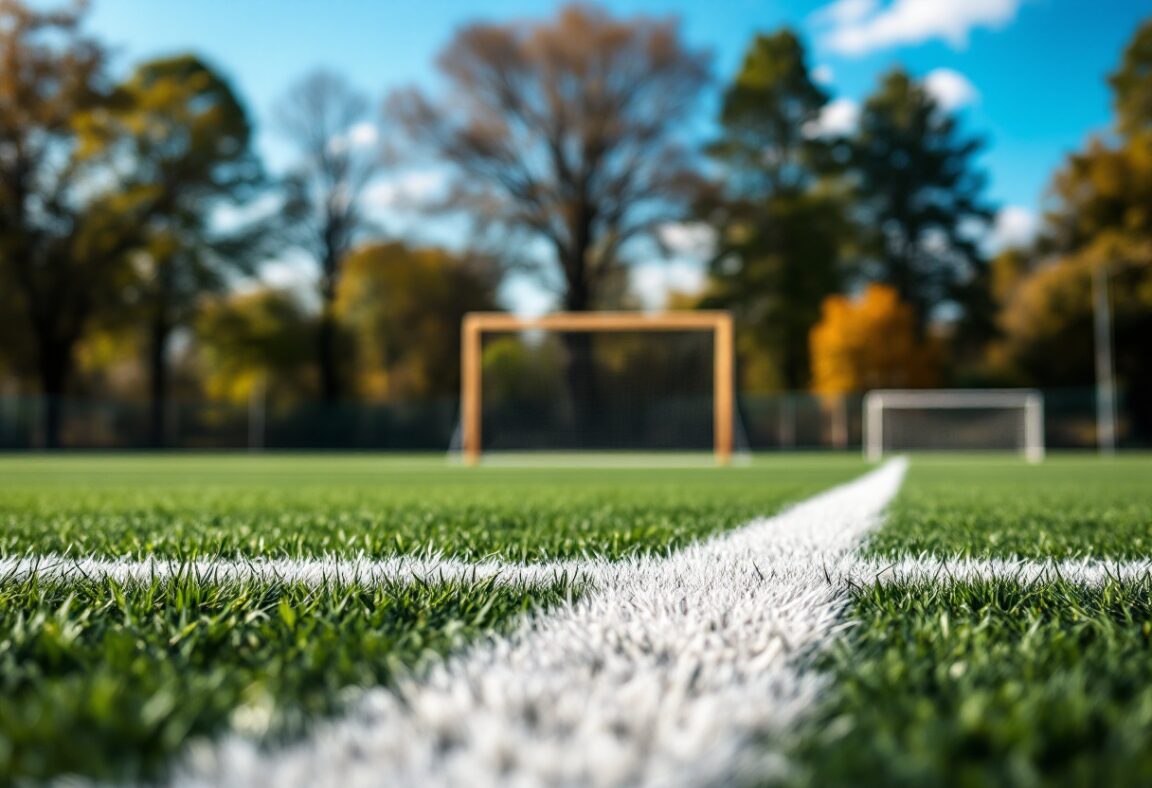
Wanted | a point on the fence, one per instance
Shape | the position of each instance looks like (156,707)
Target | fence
(767,422)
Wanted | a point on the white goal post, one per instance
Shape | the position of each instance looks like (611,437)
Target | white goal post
(898,420)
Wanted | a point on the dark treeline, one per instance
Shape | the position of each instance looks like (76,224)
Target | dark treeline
(137,219)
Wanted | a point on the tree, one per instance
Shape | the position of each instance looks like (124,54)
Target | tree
(781,222)
(567,131)
(327,121)
(565,135)
(870,342)
(1099,222)
(1132,84)
(770,145)
(922,196)
(183,138)
(64,229)
(402,308)
(259,340)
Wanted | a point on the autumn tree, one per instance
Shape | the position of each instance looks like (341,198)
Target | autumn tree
(329,123)
(65,230)
(781,222)
(184,142)
(1132,85)
(1099,223)
(402,308)
(870,342)
(256,340)
(922,199)
(566,136)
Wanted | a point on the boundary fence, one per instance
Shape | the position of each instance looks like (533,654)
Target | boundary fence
(788,421)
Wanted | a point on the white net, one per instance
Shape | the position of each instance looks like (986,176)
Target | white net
(1005,420)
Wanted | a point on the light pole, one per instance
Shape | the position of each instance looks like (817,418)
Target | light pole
(1105,385)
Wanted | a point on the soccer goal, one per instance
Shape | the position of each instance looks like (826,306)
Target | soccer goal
(598,381)
(954,420)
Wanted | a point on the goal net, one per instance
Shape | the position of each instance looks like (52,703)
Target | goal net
(608,381)
(1009,420)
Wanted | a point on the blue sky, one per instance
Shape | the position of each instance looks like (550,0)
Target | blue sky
(1028,75)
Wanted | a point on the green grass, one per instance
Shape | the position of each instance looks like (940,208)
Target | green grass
(936,684)
(991,683)
(1069,506)
(111,681)
(293,506)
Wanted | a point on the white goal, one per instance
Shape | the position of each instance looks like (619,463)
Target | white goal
(903,420)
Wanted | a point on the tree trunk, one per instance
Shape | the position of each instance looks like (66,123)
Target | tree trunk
(53,368)
(158,381)
(326,335)
(580,370)
(327,355)
(795,358)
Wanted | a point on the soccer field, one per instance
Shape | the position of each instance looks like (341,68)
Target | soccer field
(215,618)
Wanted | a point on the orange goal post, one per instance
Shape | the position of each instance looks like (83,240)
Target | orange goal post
(477,324)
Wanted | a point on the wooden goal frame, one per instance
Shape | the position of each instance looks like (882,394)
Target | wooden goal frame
(476,324)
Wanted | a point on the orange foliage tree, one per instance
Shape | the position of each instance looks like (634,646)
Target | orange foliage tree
(869,342)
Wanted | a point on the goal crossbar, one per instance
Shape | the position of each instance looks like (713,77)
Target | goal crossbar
(1030,401)
(476,324)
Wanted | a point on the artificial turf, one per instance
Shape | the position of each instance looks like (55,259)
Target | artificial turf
(304,506)
(111,681)
(932,683)
(985,507)
(993,682)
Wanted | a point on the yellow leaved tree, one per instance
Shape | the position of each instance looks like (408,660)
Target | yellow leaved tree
(870,342)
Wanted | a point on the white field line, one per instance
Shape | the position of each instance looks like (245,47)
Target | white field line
(668,671)
(1091,572)
(340,571)
(308,571)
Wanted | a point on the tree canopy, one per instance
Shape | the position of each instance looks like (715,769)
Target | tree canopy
(780,217)
(402,308)
(329,123)
(921,195)
(870,342)
(568,132)
(183,141)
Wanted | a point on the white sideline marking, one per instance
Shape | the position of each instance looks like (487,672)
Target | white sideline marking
(1090,572)
(662,674)
(309,571)
(338,571)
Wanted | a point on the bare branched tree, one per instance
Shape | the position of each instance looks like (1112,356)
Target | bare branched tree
(330,124)
(568,131)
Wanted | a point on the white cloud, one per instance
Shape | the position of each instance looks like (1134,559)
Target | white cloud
(688,239)
(653,282)
(951,89)
(288,274)
(847,12)
(406,191)
(837,117)
(1015,225)
(857,27)
(527,297)
(823,75)
(363,135)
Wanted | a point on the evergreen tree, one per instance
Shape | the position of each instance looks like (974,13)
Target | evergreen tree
(781,222)
(921,201)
